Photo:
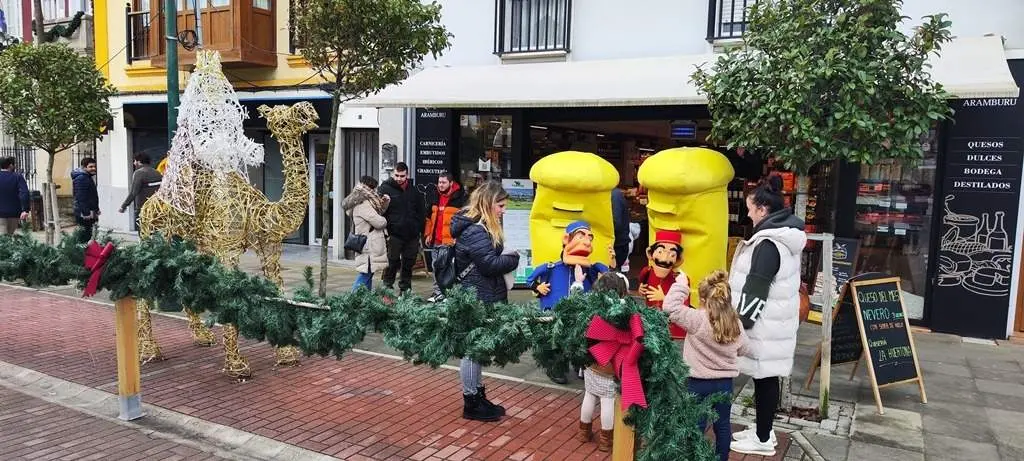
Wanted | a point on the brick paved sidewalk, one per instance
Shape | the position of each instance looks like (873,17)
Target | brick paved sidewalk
(361,407)
(36,430)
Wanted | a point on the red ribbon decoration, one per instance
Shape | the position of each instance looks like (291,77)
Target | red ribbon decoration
(622,348)
(95,258)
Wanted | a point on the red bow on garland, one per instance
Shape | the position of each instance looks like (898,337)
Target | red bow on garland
(95,258)
(622,348)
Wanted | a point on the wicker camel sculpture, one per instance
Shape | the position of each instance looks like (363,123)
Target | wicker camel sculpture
(233,216)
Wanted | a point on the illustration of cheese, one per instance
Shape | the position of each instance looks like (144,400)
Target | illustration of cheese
(571,186)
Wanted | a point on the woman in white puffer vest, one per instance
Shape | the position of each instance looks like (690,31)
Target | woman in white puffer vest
(765,283)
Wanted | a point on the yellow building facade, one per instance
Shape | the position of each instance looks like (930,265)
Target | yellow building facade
(253,39)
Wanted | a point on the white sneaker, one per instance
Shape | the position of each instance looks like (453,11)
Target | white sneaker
(753,446)
(751,433)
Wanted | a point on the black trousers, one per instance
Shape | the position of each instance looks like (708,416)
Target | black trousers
(85,229)
(766,401)
(401,255)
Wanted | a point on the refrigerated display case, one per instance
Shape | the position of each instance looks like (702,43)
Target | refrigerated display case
(893,220)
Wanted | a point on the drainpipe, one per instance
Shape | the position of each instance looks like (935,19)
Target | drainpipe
(199,24)
(171,33)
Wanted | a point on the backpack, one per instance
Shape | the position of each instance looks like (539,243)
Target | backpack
(443,267)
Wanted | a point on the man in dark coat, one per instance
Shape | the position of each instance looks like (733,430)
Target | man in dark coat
(14,200)
(87,201)
(405,217)
(620,226)
(145,182)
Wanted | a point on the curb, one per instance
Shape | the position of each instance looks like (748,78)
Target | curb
(809,451)
(217,439)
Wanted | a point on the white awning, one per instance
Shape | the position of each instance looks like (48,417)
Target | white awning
(968,68)
(974,67)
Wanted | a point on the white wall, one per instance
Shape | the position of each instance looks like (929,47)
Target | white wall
(616,29)
(974,18)
(112,170)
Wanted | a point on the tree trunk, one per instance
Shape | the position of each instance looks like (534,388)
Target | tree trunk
(325,202)
(49,202)
(37,16)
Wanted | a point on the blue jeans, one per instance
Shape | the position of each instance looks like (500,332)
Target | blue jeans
(705,388)
(364,279)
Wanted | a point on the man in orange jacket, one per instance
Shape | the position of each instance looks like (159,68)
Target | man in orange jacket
(442,203)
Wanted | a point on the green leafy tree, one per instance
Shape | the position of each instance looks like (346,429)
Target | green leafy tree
(362,46)
(52,98)
(818,80)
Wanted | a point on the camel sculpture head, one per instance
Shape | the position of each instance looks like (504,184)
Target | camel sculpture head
(287,120)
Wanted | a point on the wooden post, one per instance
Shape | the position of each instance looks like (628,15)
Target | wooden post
(128,378)
(826,321)
(624,439)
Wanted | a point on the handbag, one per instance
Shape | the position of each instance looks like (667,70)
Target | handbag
(355,242)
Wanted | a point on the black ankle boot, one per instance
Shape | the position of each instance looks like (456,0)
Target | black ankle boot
(480,392)
(474,408)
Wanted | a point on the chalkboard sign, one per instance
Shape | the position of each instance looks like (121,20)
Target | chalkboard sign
(844,257)
(847,346)
(870,316)
(846,343)
(885,334)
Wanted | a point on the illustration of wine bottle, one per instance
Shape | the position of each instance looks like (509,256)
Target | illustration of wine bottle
(982,235)
(997,239)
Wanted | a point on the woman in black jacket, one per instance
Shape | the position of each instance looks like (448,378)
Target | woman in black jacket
(478,248)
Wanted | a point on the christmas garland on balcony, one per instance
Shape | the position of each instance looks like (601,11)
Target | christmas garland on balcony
(174,273)
(61,30)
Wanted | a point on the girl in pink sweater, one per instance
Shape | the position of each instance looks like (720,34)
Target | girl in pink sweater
(714,338)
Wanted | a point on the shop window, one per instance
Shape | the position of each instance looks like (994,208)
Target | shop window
(485,148)
(894,221)
(532,25)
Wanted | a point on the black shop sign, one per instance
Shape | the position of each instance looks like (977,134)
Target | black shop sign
(433,144)
(978,222)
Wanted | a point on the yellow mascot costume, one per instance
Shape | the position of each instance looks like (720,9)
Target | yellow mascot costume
(571,186)
(686,192)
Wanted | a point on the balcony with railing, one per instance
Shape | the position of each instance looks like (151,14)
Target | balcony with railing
(532,26)
(728,19)
(243,31)
(73,18)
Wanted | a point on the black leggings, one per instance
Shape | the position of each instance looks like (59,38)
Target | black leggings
(766,400)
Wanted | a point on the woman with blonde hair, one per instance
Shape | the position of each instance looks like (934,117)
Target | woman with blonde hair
(481,265)
(714,339)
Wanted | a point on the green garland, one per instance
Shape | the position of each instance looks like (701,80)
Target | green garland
(61,30)
(174,273)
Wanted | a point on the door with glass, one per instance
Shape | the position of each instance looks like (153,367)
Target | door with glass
(318,148)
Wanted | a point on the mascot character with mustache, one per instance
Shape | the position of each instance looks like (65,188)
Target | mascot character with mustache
(664,258)
(553,280)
